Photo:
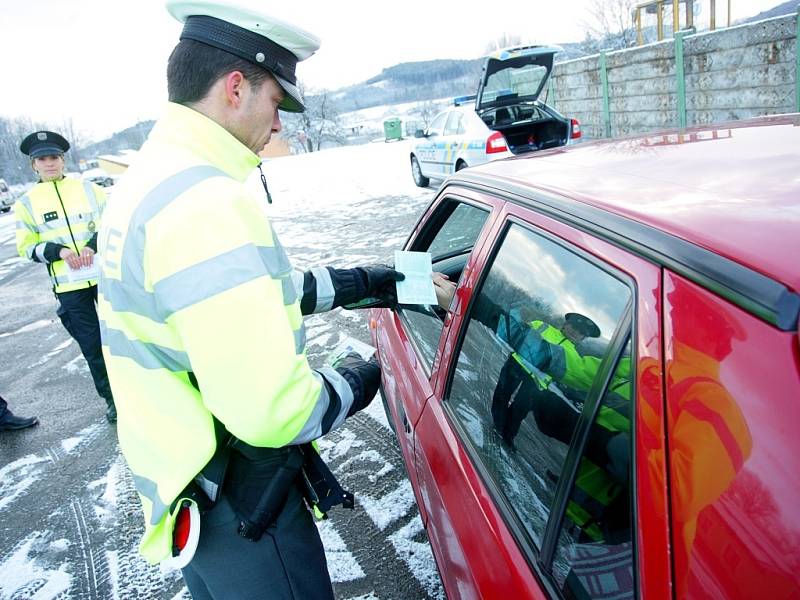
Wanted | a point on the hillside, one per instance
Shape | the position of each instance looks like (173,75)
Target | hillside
(423,80)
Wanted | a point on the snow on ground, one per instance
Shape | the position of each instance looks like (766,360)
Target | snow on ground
(341,207)
(334,179)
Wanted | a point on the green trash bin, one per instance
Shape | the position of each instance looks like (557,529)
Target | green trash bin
(392,129)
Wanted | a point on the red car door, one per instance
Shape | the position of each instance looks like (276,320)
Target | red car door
(409,341)
(470,476)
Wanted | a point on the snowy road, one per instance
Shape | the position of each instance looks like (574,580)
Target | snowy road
(69,518)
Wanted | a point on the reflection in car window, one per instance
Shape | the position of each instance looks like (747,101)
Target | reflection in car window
(452,124)
(594,556)
(536,336)
(450,248)
(438,124)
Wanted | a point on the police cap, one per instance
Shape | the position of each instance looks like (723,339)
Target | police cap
(261,39)
(583,324)
(44,143)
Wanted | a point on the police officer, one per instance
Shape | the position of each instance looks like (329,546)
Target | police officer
(57,222)
(202,319)
(9,420)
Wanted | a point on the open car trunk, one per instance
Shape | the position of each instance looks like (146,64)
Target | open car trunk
(508,99)
(527,127)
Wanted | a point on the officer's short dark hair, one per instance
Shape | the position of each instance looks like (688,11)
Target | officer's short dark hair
(194,67)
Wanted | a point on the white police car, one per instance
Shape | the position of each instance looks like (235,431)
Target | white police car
(505,119)
(6,199)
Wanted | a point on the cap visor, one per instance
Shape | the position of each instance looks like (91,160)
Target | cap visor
(40,151)
(292,101)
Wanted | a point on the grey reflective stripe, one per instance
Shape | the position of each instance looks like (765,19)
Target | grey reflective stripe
(39,250)
(26,202)
(127,294)
(289,293)
(300,339)
(54,224)
(213,276)
(558,361)
(83,236)
(129,298)
(144,354)
(90,195)
(283,260)
(149,490)
(325,291)
(66,240)
(313,426)
(342,388)
(275,260)
(298,279)
(21,225)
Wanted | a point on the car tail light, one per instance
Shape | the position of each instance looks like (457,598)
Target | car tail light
(576,129)
(496,143)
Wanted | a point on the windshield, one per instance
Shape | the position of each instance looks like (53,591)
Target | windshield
(513,83)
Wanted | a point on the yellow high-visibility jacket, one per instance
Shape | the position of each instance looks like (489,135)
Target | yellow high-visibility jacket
(54,215)
(195,287)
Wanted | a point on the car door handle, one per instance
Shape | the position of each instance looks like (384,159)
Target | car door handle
(406,424)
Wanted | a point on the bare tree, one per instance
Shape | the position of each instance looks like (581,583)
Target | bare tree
(425,112)
(611,23)
(318,125)
(504,41)
(15,167)
(77,140)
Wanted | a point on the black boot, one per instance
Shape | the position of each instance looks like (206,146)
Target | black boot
(111,412)
(11,421)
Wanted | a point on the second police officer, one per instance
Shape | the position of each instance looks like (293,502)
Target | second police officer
(57,224)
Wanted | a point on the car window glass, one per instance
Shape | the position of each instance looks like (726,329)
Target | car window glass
(594,555)
(536,335)
(437,125)
(452,124)
(459,232)
(462,129)
(513,82)
(450,247)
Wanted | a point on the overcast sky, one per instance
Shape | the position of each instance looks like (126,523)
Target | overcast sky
(102,63)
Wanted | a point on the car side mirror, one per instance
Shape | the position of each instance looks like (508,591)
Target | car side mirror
(419,133)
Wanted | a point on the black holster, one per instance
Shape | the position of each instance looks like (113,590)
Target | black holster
(258,484)
(259,481)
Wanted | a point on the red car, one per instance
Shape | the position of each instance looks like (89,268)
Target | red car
(610,405)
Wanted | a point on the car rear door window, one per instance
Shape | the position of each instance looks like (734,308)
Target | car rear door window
(454,229)
(594,555)
(453,121)
(438,124)
(534,342)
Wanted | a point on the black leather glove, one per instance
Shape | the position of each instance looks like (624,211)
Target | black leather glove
(364,379)
(379,281)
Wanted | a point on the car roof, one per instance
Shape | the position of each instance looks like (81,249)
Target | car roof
(732,188)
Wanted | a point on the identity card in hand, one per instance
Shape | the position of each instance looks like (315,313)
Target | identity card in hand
(347,346)
(417,287)
(84,273)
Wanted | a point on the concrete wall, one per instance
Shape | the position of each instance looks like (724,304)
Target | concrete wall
(732,73)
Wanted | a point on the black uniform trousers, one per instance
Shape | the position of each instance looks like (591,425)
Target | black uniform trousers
(3,408)
(287,563)
(78,314)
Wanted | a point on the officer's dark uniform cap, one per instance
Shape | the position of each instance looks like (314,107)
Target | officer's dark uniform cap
(583,324)
(44,143)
